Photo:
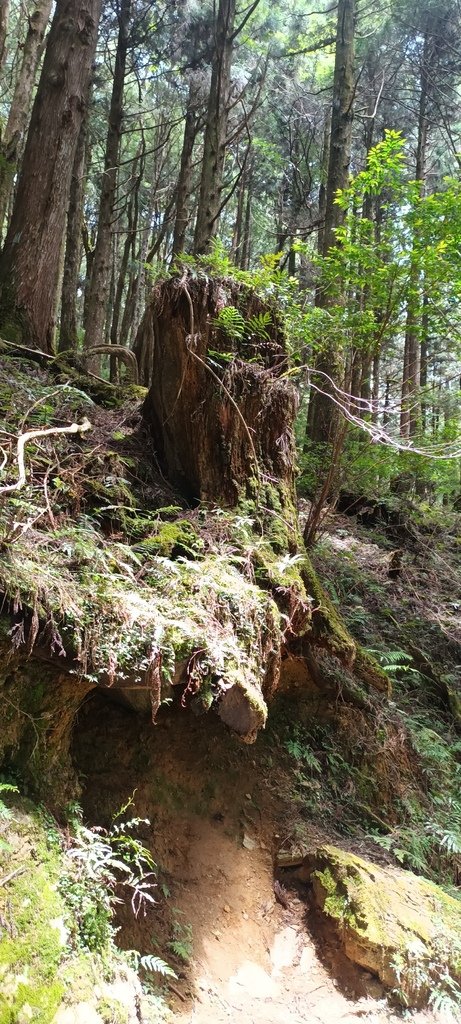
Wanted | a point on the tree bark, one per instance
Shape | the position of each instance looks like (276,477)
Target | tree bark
(130,240)
(218,431)
(324,416)
(237,233)
(214,146)
(410,417)
(18,117)
(245,255)
(29,264)
(98,294)
(68,336)
(324,160)
(4,14)
(184,187)
(135,297)
(376,382)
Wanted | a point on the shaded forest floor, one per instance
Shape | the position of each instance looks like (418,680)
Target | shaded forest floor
(219,815)
(101,530)
(222,814)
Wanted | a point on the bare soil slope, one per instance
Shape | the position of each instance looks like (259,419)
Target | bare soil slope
(218,814)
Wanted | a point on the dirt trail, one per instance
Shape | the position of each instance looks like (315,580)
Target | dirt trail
(255,961)
(216,821)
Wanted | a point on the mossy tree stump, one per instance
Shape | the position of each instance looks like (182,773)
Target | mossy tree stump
(220,411)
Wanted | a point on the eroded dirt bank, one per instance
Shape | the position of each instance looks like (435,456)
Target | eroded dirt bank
(218,814)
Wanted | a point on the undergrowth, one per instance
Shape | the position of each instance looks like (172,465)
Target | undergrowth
(101,564)
(60,886)
(390,773)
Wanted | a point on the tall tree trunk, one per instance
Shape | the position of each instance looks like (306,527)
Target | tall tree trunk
(98,294)
(4,14)
(325,431)
(18,117)
(237,233)
(136,298)
(367,213)
(68,337)
(111,296)
(410,417)
(130,240)
(184,186)
(324,416)
(376,382)
(324,160)
(246,241)
(29,264)
(425,339)
(214,145)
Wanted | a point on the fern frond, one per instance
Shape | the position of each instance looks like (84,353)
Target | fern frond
(157,966)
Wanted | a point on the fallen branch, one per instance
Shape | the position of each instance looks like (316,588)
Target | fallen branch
(177,992)
(117,352)
(12,874)
(23,439)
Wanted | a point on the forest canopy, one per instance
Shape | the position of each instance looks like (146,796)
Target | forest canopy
(313,152)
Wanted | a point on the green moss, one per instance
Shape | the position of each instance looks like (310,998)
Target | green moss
(42,965)
(328,627)
(31,954)
(173,540)
(112,1011)
(335,903)
(329,631)
(390,920)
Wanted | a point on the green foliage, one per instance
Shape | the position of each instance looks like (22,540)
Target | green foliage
(403,257)
(6,787)
(429,975)
(152,964)
(258,325)
(395,663)
(231,321)
(424,828)
(322,768)
(102,864)
(296,745)
(59,945)
(273,285)
(181,942)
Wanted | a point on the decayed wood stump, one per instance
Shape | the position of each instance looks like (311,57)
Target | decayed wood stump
(220,412)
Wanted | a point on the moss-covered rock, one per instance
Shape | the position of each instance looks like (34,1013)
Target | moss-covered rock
(403,928)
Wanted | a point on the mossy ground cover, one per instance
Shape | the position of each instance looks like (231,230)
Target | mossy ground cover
(410,625)
(385,776)
(103,565)
(56,934)
(108,567)
(31,949)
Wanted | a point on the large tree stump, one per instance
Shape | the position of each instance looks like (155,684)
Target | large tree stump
(219,409)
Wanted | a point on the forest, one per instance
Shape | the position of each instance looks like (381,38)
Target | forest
(230,511)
